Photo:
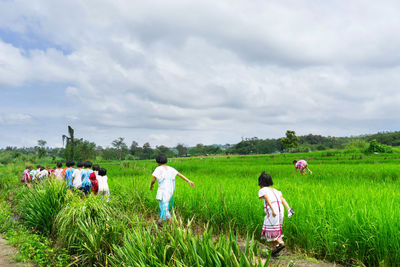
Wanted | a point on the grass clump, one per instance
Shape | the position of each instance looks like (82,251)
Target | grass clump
(38,206)
(178,245)
(88,228)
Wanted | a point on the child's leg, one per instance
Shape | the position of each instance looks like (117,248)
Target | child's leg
(164,213)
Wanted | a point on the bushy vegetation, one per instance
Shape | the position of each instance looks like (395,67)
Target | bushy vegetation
(89,228)
(81,149)
(38,206)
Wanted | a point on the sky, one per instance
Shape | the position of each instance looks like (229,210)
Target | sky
(210,72)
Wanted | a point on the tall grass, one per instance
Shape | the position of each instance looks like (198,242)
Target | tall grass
(89,228)
(179,246)
(38,206)
(346,211)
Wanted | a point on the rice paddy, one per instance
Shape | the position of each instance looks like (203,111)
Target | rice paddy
(347,211)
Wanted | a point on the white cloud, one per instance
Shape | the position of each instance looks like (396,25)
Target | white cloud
(207,71)
(15,119)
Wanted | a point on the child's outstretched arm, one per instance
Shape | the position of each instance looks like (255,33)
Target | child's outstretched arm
(285,203)
(186,179)
(152,183)
(269,204)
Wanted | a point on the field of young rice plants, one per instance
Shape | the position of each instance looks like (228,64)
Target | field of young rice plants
(348,210)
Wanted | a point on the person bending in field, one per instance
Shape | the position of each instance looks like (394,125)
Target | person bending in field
(165,175)
(273,200)
(301,165)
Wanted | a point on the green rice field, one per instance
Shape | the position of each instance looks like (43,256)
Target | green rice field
(347,211)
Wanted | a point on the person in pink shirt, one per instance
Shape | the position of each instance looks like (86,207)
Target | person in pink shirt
(301,165)
(58,172)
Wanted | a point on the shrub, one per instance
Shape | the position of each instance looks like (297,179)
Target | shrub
(179,246)
(89,228)
(374,146)
(356,145)
(38,206)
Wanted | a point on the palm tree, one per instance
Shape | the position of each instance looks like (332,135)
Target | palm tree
(70,142)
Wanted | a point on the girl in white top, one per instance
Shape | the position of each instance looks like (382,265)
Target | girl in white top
(102,182)
(273,200)
(165,175)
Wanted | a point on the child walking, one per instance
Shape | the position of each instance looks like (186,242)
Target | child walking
(86,184)
(273,200)
(77,176)
(103,184)
(165,175)
(68,173)
(93,179)
(58,172)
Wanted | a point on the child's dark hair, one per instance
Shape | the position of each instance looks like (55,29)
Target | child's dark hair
(88,164)
(71,163)
(161,159)
(41,168)
(38,166)
(265,179)
(102,172)
(79,164)
(96,167)
(294,161)
(59,164)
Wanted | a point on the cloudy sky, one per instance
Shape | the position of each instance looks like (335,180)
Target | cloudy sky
(169,72)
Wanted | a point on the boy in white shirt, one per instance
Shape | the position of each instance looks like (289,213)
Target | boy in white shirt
(165,176)
(77,176)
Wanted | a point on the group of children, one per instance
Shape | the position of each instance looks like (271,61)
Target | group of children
(87,177)
(91,178)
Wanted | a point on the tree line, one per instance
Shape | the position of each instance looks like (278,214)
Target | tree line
(80,149)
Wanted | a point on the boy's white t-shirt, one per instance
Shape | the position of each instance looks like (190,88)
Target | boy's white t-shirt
(43,174)
(77,177)
(165,176)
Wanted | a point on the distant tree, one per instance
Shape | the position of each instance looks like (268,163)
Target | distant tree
(147,151)
(41,143)
(41,148)
(110,154)
(164,150)
(133,149)
(85,150)
(120,146)
(182,150)
(70,144)
(291,140)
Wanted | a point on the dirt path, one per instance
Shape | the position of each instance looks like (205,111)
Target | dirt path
(7,253)
(288,258)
